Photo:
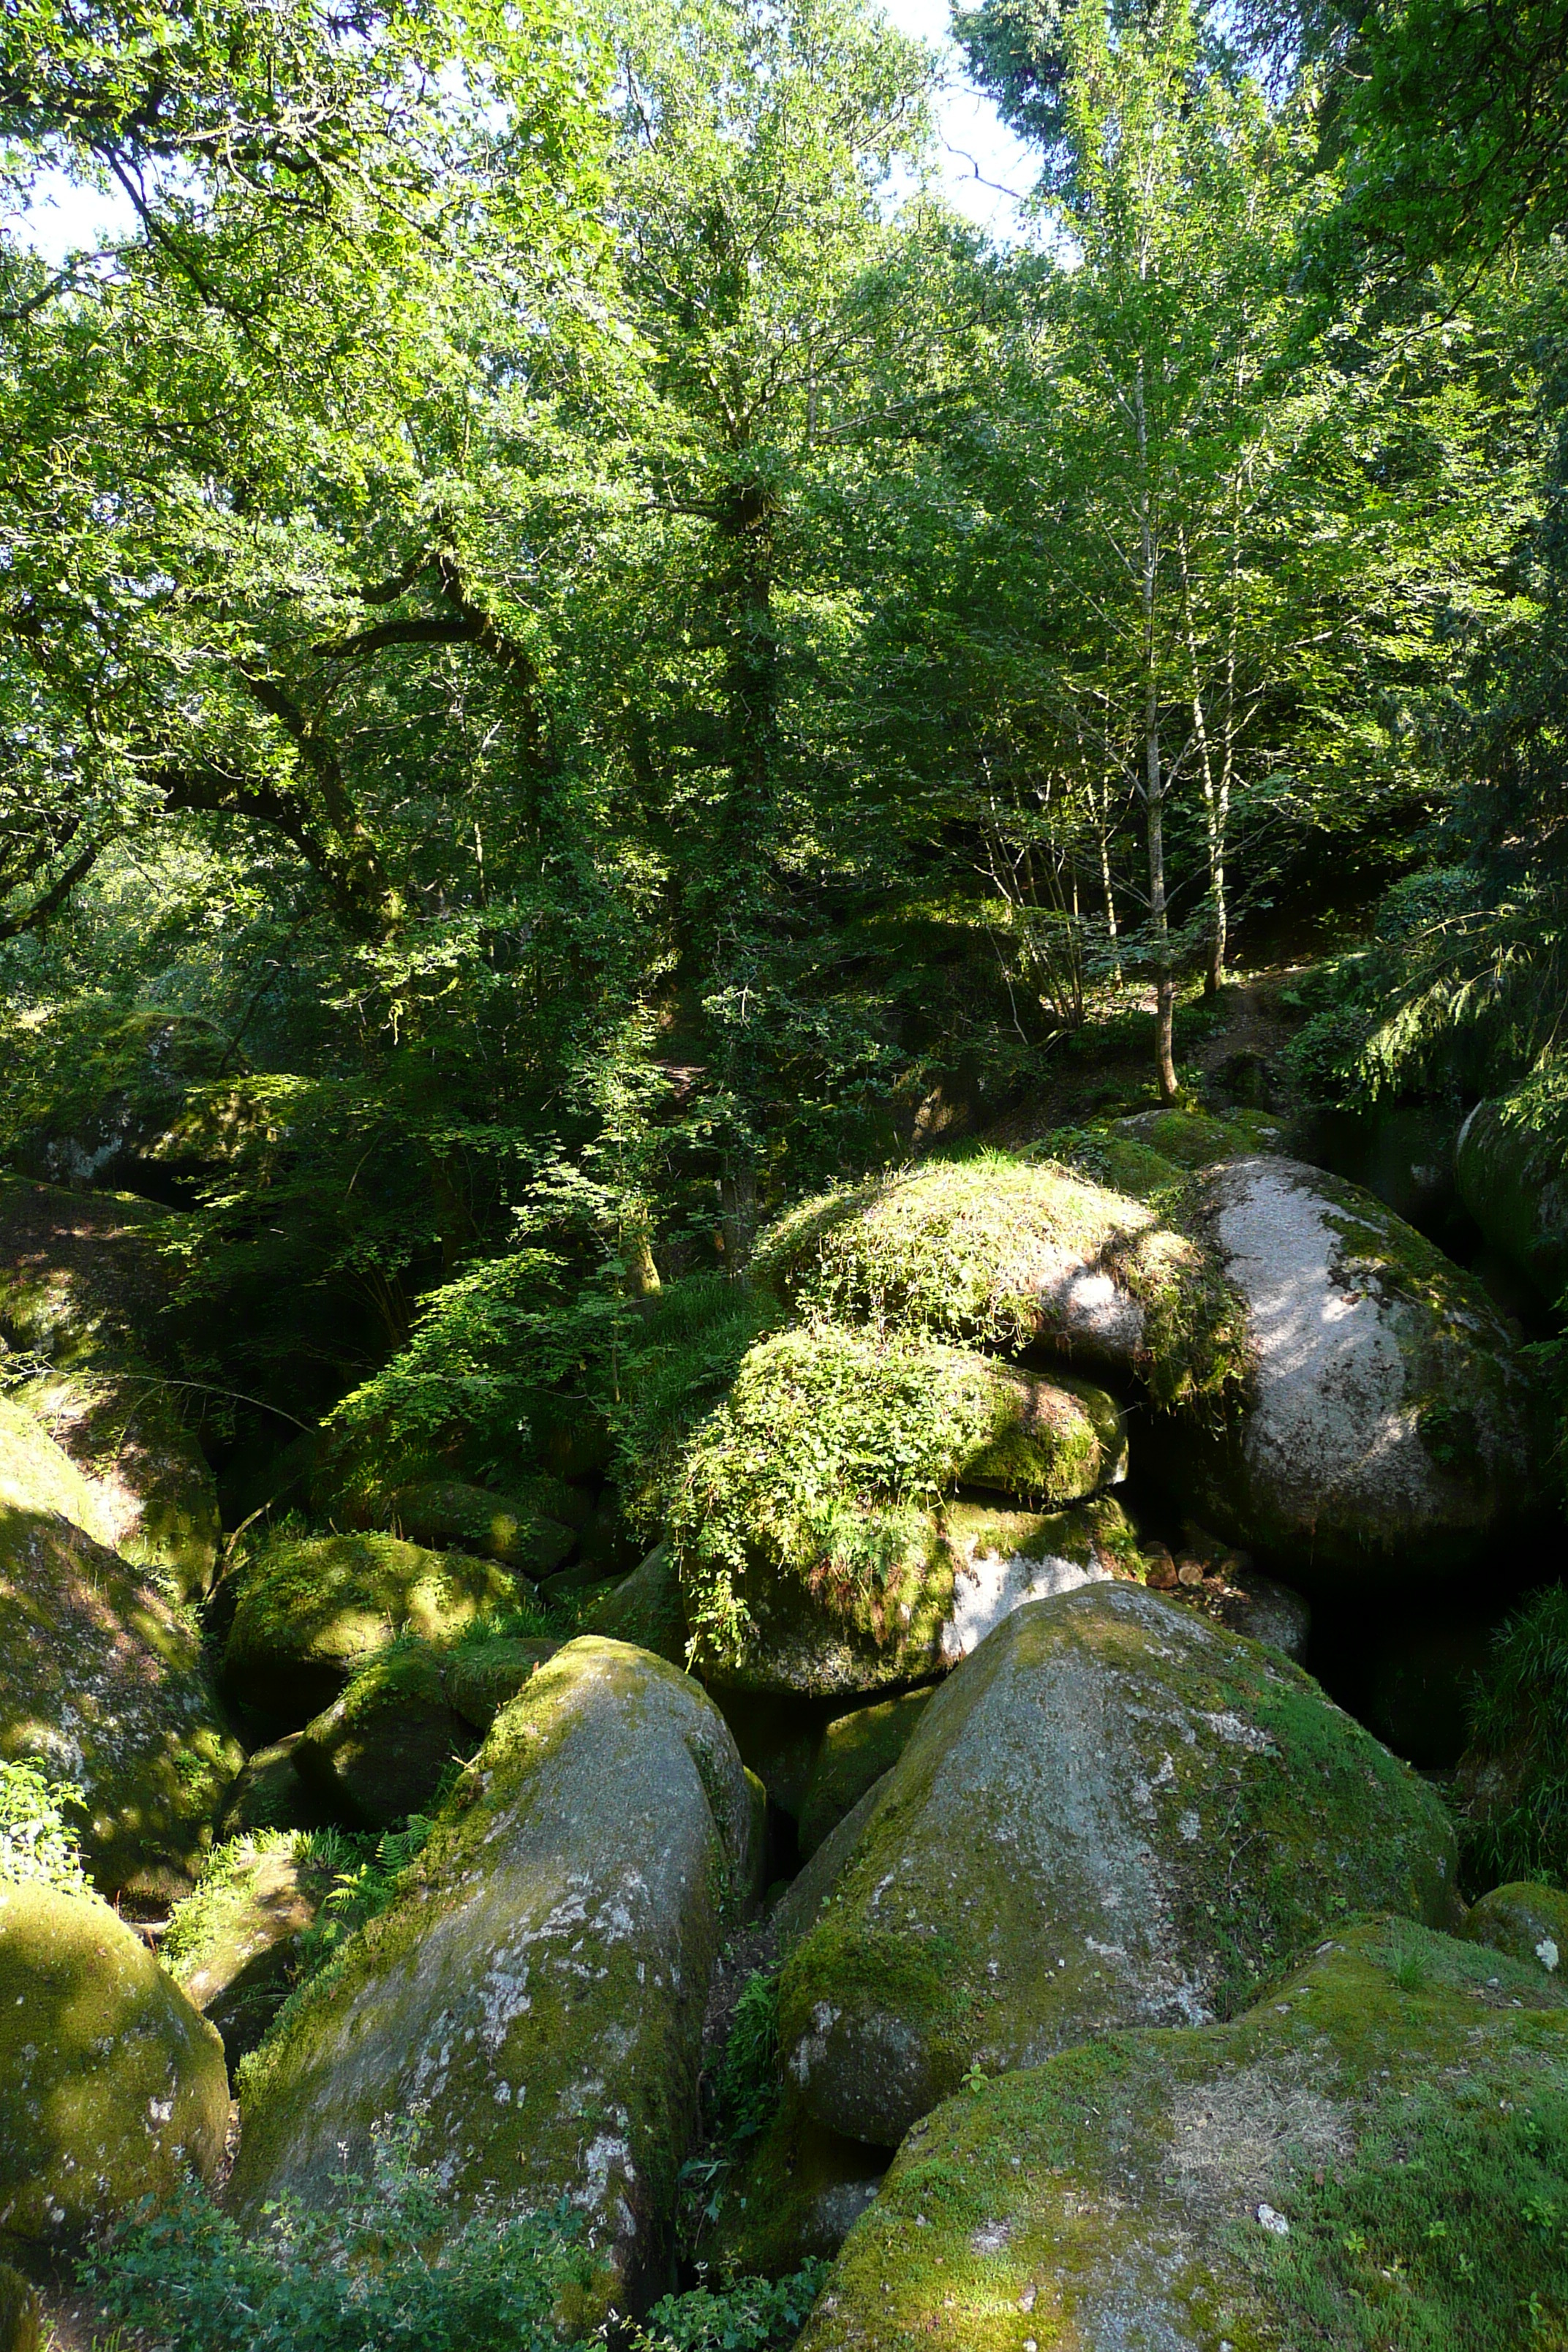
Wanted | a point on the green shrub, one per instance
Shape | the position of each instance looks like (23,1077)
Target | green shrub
(1515,1773)
(688,1348)
(753,2316)
(36,1839)
(749,2083)
(384,2270)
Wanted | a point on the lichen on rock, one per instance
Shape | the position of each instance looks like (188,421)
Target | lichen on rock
(537,1986)
(1112,1813)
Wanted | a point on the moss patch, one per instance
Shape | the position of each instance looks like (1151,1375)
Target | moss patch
(1528,1922)
(1383,2102)
(233,1945)
(103,1680)
(445,1512)
(382,1749)
(1016,1250)
(310,1609)
(111,2085)
(788,2196)
(856,1749)
(808,1550)
(645,1608)
(1111,1812)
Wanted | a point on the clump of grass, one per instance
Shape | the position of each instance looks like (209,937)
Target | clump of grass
(750,2083)
(1513,1781)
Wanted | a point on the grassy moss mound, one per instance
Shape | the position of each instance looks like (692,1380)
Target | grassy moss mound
(101,1680)
(1113,1813)
(856,1749)
(312,1609)
(1018,1251)
(806,1532)
(538,1981)
(111,2086)
(82,1288)
(1374,2156)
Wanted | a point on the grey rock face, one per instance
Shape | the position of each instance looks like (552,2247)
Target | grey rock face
(1112,1813)
(536,1991)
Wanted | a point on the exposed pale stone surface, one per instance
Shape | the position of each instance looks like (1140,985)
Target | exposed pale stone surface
(1391,1423)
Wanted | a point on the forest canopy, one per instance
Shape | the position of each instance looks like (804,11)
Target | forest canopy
(581,656)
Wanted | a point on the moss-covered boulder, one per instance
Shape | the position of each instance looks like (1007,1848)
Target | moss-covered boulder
(484,1672)
(269,1795)
(1510,1166)
(538,1984)
(1112,1813)
(111,2086)
(1529,1922)
(811,1540)
(310,1611)
(21,2313)
(383,1748)
(1019,1251)
(232,1946)
(856,1749)
(102,1680)
(1390,1426)
(80,1289)
(1152,1155)
(1376,2154)
(645,1608)
(790,2195)
(449,1514)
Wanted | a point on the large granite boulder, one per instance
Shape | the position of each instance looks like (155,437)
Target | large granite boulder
(234,1946)
(383,1748)
(1373,2155)
(101,1680)
(1390,1426)
(1509,1165)
(1527,1921)
(80,1290)
(1020,1252)
(1112,1813)
(310,1611)
(452,1514)
(644,1608)
(818,1539)
(537,1987)
(111,2086)
(856,1749)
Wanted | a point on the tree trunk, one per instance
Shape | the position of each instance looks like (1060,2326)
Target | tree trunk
(1153,771)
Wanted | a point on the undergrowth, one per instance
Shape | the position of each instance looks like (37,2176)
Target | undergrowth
(36,1839)
(1516,1824)
(380,2269)
(754,2315)
(748,2085)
